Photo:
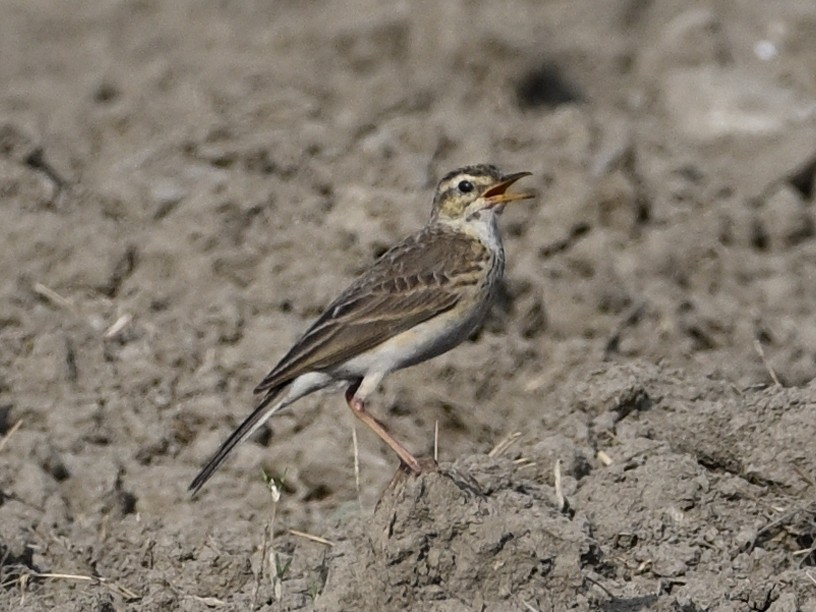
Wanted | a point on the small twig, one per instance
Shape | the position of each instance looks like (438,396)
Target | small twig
(811,576)
(505,443)
(559,487)
(600,586)
(356,465)
(210,602)
(113,586)
(268,552)
(66,576)
(4,440)
(761,352)
(309,536)
(23,587)
(436,440)
(118,325)
(123,591)
(604,458)
(52,296)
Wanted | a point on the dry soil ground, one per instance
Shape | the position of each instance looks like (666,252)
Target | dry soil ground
(184,185)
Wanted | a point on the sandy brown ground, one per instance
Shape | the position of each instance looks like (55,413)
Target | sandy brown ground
(184,185)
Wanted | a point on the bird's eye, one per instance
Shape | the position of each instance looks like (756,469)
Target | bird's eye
(465,186)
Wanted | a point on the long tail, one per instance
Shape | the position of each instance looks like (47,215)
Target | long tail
(258,417)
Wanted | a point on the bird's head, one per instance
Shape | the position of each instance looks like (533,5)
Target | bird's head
(466,193)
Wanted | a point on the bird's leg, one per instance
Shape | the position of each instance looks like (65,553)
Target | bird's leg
(357,406)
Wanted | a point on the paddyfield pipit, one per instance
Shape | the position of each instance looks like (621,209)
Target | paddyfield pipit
(421,298)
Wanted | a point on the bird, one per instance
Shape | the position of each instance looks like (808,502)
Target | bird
(419,299)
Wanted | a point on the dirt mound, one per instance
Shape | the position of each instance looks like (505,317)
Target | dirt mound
(662,523)
(474,535)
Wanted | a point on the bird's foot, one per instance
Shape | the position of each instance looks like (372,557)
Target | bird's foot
(423,464)
(404,471)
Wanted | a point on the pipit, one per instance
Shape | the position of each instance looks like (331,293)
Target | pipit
(421,298)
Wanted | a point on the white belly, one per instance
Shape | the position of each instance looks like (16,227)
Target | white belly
(418,344)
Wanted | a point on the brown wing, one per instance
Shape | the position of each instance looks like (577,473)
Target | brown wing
(412,282)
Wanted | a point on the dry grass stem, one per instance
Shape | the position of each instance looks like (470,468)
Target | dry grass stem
(210,602)
(600,586)
(505,443)
(309,536)
(356,451)
(604,458)
(52,296)
(436,440)
(761,352)
(268,555)
(4,440)
(114,587)
(559,486)
(118,325)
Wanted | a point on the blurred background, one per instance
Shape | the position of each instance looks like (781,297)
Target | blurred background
(185,185)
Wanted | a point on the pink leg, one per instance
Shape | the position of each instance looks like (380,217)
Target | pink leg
(358,408)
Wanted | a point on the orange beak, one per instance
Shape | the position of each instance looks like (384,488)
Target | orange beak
(496,195)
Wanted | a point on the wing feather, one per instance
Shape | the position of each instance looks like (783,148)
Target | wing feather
(414,281)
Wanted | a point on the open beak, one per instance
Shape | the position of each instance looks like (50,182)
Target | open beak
(497,194)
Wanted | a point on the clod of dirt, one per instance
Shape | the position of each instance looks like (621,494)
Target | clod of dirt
(477,534)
